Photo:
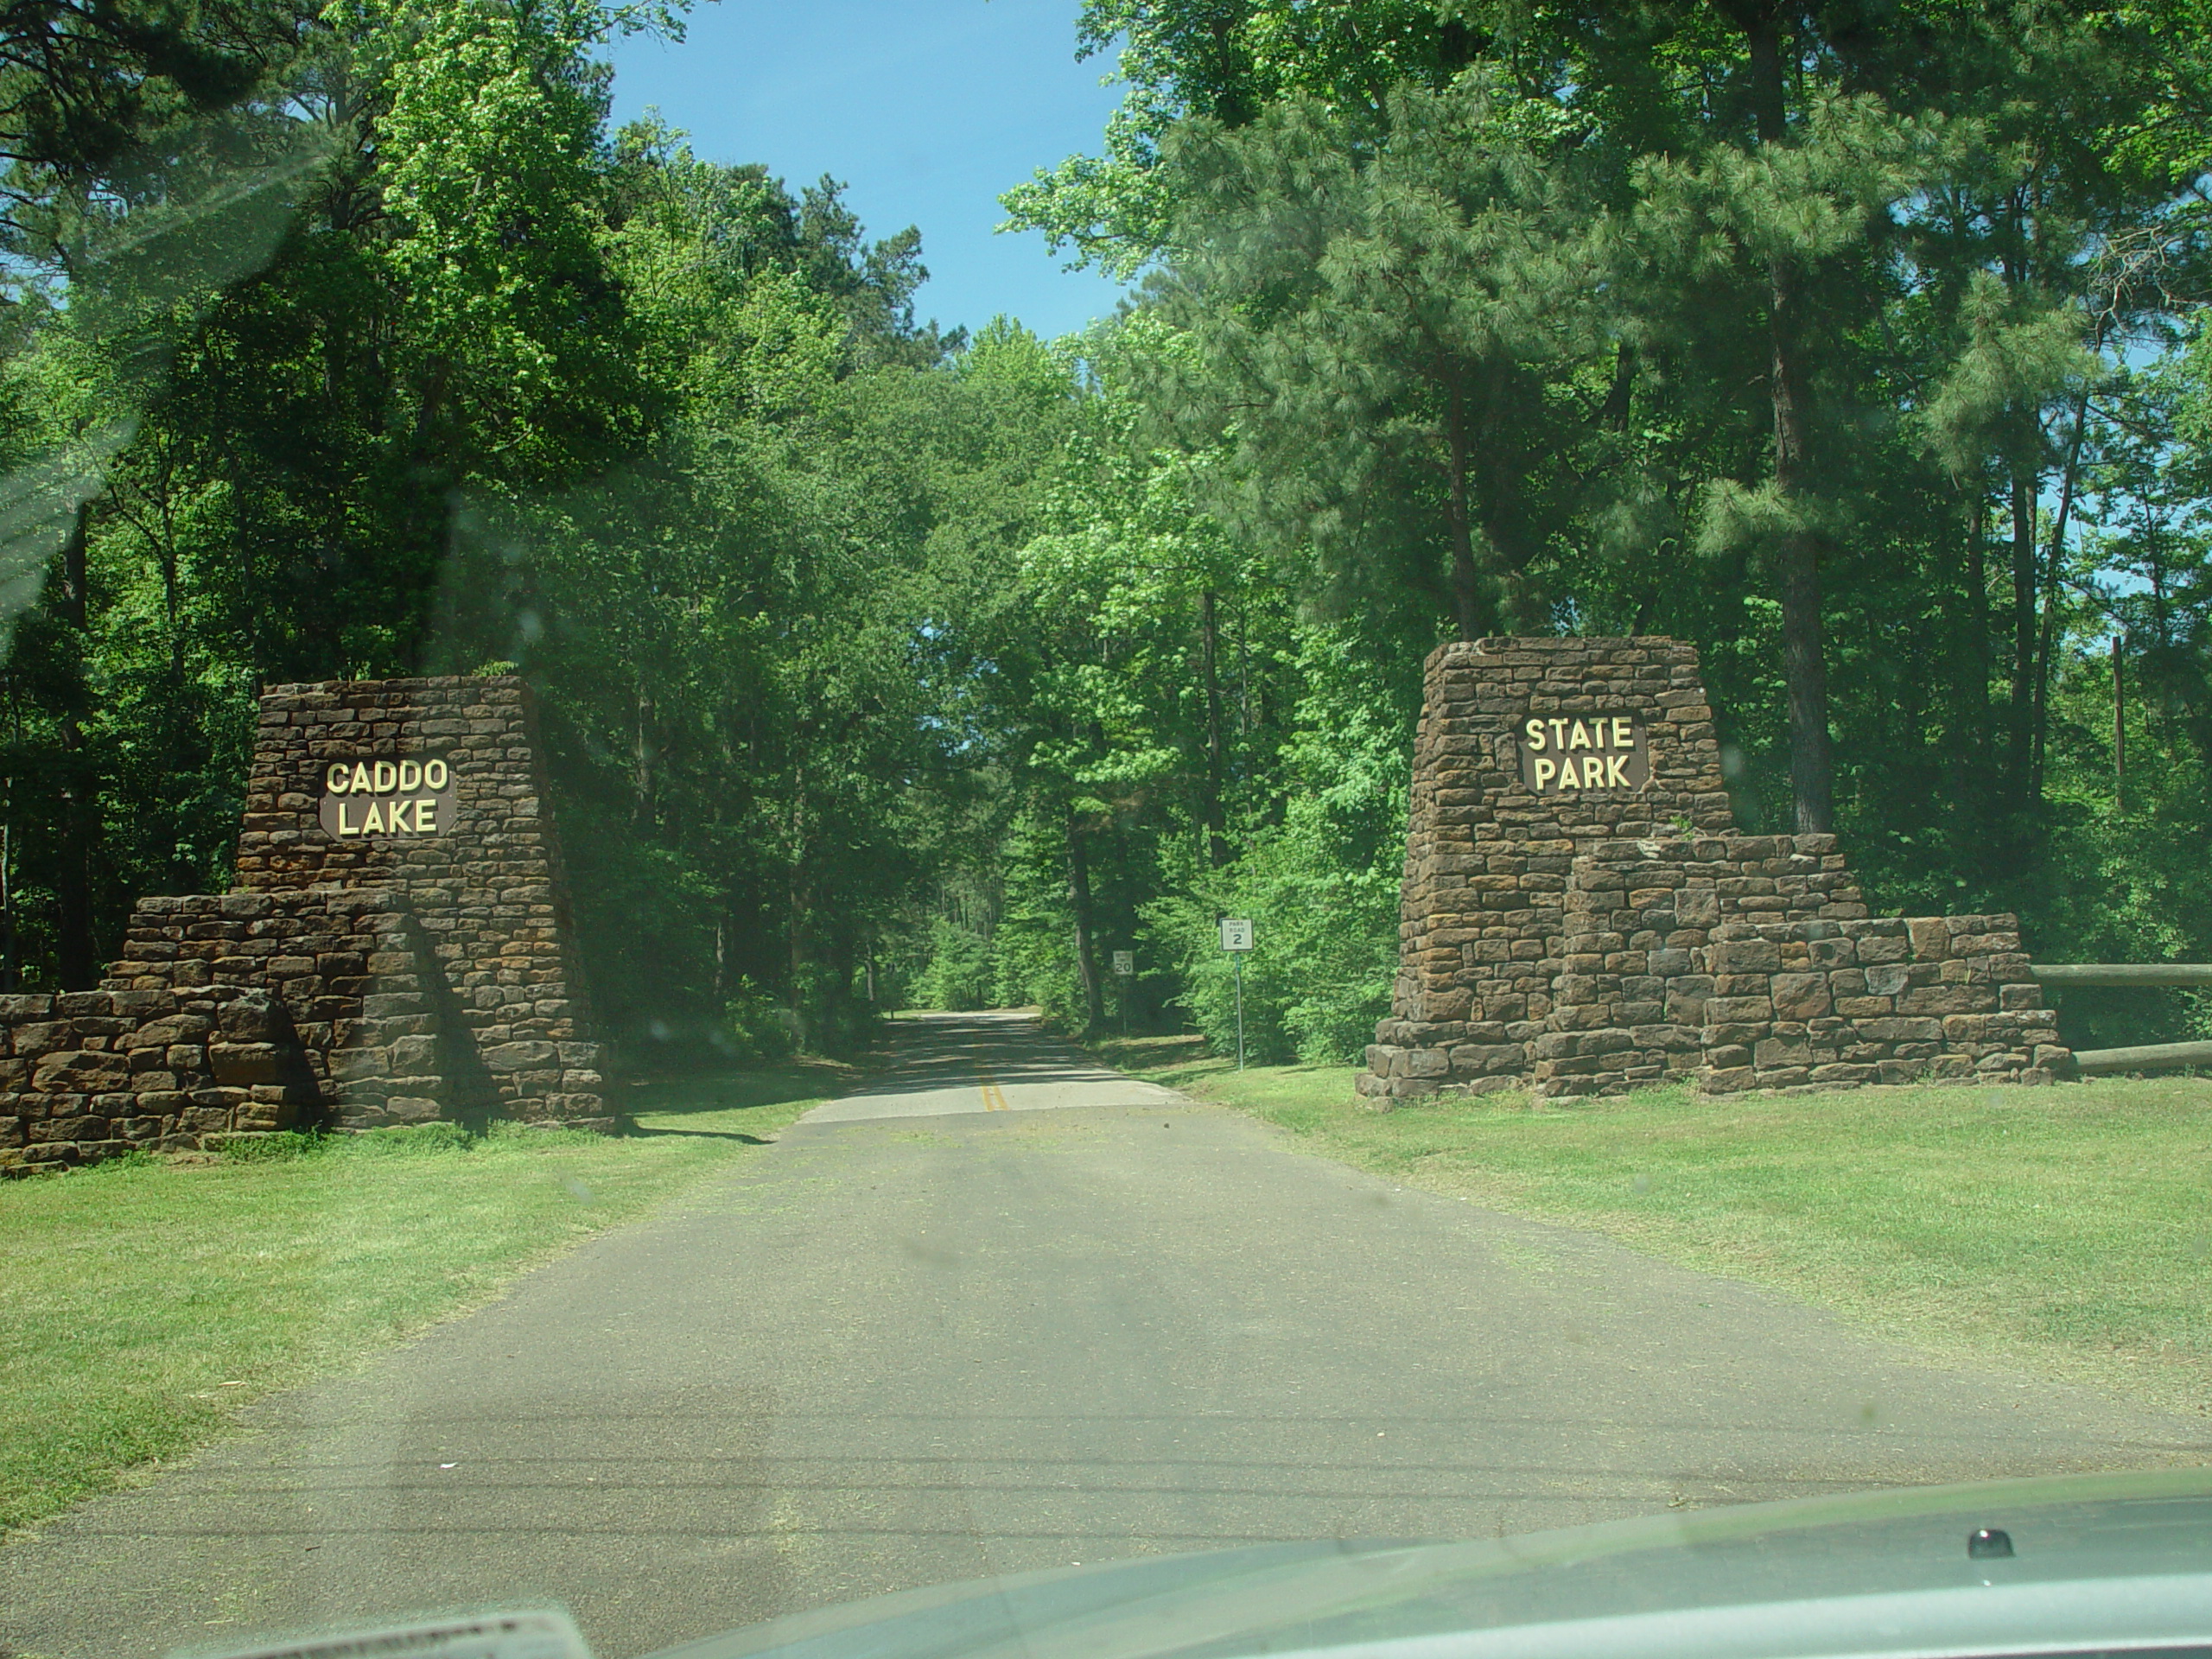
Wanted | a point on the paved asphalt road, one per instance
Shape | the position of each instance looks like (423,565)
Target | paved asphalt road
(1007,1311)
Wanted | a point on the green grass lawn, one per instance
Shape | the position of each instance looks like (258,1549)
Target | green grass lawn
(144,1301)
(2069,1229)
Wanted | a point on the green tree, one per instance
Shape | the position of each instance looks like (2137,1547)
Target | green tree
(1393,334)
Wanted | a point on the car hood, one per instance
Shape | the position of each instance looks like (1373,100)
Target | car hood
(2100,1561)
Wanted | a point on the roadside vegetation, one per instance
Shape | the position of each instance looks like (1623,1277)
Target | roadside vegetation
(2066,1230)
(145,1300)
(887,661)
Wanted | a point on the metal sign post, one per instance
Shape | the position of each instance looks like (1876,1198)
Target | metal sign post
(1236,940)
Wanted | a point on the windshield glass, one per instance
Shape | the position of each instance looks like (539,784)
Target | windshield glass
(799,801)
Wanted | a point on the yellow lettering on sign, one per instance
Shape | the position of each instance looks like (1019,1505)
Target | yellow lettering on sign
(373,824)
(387,776)
(395,815)
(426,814)
(1549,747)
(434,774)
(360,783)
(410,776)
(344,828)
(335,780)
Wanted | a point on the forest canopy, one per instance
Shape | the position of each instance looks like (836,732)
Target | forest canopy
(885,664)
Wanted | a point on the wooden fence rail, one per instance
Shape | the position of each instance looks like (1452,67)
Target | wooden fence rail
(2060,974)
(2147,1057)
(2150,1057)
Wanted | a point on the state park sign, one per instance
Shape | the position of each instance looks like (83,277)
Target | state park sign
(387,796)
(1560,752)
(1580,916)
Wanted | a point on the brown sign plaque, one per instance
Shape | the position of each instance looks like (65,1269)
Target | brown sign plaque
(1564,754)
(387,797)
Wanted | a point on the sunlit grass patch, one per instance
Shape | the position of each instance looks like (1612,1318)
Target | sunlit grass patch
(2069,1228)
(145,1299)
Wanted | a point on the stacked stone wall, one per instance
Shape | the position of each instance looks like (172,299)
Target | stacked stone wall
(1750,962)
(88,1075)
(354,969)
(1886,1000)
(1637,968)
(1595,940)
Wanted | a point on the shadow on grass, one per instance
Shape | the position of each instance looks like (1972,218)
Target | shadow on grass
(1178,1051)
(717,1091)
(1182,1061)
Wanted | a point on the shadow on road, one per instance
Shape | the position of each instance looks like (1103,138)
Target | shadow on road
(720,1090)
(947,1050)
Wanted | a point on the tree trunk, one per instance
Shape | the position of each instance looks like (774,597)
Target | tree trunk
(75,950)
(1209,811)
(10,976)
(795,922)
(1466,592)
(1977,617)
(1804,667)
(1972,729)
(2025,572)
(1086,955)
(1619,396)
(14,979)
(2054,569)
(2119,726)
(1804,650)
(641,762)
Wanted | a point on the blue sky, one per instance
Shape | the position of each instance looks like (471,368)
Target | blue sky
(927,110)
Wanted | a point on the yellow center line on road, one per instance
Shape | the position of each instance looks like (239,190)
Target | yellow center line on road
(994,1096)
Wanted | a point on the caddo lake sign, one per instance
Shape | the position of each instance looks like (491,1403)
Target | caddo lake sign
(1579,752)
(388,797)
(398,947)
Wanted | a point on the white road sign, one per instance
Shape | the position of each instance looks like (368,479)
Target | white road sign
(1236,935)
(1125,963)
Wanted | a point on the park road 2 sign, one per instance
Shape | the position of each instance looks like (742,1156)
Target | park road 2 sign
(1236,935)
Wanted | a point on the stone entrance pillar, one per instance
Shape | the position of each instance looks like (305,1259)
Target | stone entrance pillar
(1579,915)
(1492,837)
(400,889)
(430,793)
(398,948)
